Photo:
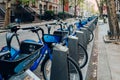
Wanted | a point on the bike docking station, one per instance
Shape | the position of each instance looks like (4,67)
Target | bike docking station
(84,35)
(88,27)
(81,40)
(59,68)
(92,25)
(73,47)
(86,39)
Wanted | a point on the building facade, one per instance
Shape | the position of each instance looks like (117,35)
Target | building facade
(53,5)
(44,5)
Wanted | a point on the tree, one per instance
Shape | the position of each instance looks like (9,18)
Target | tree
(112,16)
(113,20)
(63,3)
(76,3)
(7,14)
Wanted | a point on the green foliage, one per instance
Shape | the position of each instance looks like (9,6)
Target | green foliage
(49,12)
(78,2)
(61,15)
(48,15)
(61,1)
(26,1)
(64,15)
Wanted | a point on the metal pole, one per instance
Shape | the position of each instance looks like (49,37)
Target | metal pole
(63,9)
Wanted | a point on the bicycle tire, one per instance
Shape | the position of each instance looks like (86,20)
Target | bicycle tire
(85,55)
(76,66)
(91,34)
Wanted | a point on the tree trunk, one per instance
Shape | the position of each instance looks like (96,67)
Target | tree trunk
(63,5)
(113,18)
(7,14)
(75,9)
(109,18)
(100,7)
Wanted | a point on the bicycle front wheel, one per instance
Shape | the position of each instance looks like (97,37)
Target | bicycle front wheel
(74,71)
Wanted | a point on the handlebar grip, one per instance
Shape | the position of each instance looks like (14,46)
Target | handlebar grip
(52,23)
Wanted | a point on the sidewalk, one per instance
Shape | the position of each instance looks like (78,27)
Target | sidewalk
(108,56)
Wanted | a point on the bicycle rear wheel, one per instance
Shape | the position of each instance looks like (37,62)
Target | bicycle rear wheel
(74,73)
(83,56)
(91,35)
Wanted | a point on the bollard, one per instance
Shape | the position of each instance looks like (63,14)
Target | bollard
(86,40)
(73,47)
(59,68)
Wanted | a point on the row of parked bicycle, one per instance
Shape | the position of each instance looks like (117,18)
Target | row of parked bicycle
(31,54)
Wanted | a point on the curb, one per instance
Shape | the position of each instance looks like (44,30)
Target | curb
(107,40)
(89,50)
(2,31)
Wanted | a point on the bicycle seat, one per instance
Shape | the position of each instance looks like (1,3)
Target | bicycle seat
(63,34)
(13,27)
(49,38)
(22,62)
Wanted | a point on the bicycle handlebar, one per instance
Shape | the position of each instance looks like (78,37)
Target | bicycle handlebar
(34,29)
(27,28)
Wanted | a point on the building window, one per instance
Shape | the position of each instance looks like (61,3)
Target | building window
(50,7)
(45,7)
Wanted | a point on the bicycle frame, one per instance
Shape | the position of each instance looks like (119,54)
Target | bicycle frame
(44,51)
